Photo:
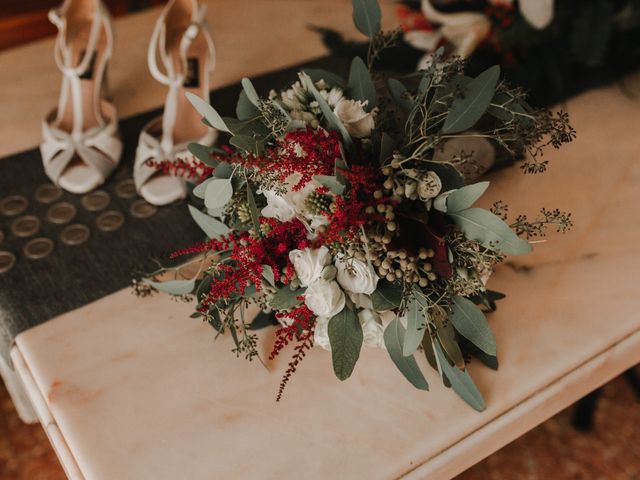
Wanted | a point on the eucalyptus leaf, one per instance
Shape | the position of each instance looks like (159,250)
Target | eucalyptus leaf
(498,109)
(387,146)
(447,337)
(204,286)
(263,320)
(207,111)
(425,82)
(245,110)
(416,326)
(212,227)
(430,354)
(471,323)
(252,127)
(393,340)
(399,94)
(488,229)
(200,189)
(285,298)
(467,110)
(174,287)
(367,16)
(386,296)
(360,84)
(214,320)
(250,91)
(346,337)
(218,193)
(247,143)
(253,210)
(331,183)
(464,197)
(202,153)
(223,170)
(490,361)
(333,80)
(267,273)
(461,382)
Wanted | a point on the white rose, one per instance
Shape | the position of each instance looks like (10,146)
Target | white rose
(352,115)
(321,333)
(356,276)
(371,328)
(325,299)
(308,263)
(277,207)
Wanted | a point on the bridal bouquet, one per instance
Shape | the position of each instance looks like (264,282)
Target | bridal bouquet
(340,209)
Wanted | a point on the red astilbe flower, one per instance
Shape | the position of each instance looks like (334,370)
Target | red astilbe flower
(304,152)
(188,168)
(306,343)
(244,266)
(349,211)
(301,329)
(302,320)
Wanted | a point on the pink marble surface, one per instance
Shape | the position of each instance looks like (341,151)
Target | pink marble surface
(139,390)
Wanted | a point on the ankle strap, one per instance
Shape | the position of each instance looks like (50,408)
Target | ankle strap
(62,53)
(157,47)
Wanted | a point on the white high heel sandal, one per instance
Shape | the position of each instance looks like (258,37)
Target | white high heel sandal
(81,145)
(186,51)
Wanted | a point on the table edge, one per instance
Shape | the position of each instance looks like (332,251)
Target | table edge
(586,377)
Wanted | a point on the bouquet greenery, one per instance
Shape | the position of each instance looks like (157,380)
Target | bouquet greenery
(554,49)
(341,210)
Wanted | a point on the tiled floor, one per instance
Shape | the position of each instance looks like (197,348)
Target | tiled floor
(553,451)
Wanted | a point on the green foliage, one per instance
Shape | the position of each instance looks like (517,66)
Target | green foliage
(331,183)
(360,84)
(465,197)
(460,382)
(387,296)
(490,231)
(329,116)
(263,320)
(332,79)
(367,16)
(394,341)
(202,153)
(467,109)
(471,323)
(245,109)
(285,298)
(400,95)
(208,112)
(212,227)
(416,326)
(173,287)
(218,193)
(250,92)
(346,337)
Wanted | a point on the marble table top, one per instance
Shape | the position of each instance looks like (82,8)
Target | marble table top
(133,388)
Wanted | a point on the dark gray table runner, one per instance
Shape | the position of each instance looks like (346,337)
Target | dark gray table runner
(34,291)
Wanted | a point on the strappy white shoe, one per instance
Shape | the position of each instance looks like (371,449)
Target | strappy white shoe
(183,44)
(81,145)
